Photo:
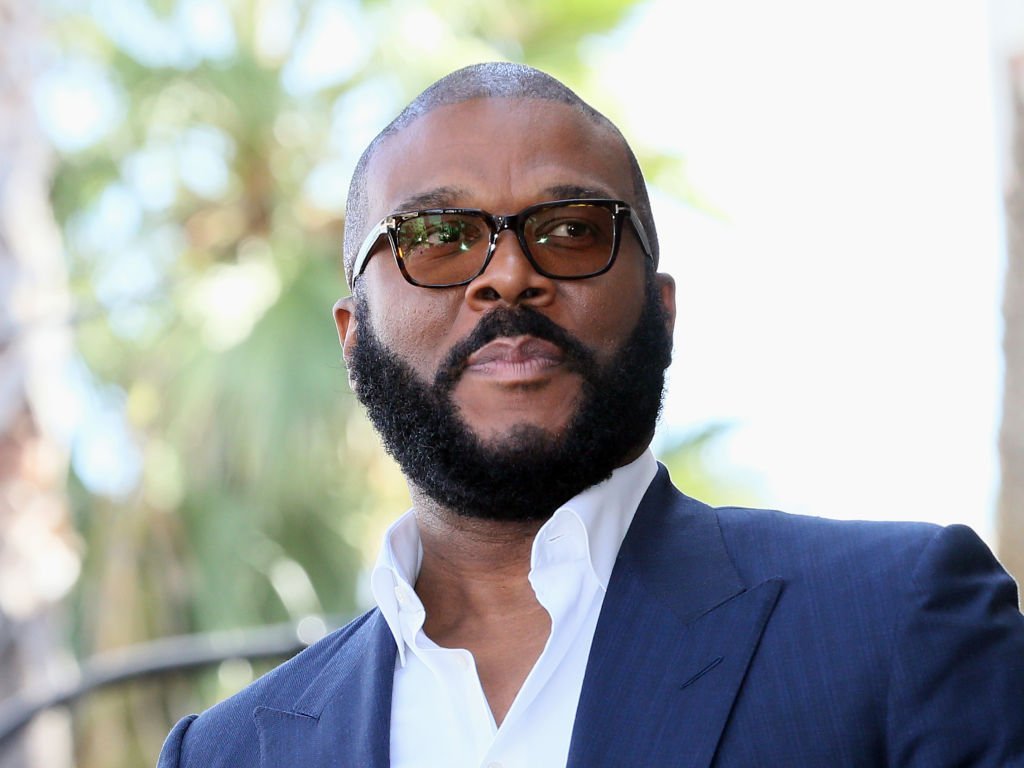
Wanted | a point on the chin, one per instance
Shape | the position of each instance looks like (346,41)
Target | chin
(520,437)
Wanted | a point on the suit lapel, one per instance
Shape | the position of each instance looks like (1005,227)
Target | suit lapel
(677,631)
(343,719)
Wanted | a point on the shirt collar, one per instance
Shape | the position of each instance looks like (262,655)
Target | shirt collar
(603,512)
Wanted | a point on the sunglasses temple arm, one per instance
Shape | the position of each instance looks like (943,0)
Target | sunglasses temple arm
(364,250)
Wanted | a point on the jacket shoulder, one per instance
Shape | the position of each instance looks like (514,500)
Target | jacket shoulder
(901,627)
(765,541)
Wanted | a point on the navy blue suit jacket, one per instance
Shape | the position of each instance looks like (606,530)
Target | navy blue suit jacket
(728,637)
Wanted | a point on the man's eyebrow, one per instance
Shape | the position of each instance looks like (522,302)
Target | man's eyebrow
(446,197)
(439,197)
(573,191)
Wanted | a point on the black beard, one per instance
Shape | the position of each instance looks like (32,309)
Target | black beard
(529,472)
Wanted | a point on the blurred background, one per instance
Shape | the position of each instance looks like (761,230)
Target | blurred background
(837,194)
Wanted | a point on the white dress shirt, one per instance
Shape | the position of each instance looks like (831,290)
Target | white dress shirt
(440,717)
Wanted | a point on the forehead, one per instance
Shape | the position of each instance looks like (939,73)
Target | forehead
(498,154)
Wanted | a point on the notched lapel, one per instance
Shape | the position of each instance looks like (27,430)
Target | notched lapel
(343,719)
(288,738)
(730,633)
(676,635)
(660,693)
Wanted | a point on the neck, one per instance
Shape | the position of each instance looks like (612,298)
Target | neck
(475,588)
(464,555)
(470,546)
(472,568)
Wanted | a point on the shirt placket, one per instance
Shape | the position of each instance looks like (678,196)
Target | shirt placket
(566,586)
(454,671)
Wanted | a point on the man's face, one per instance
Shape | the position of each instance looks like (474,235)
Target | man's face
(503,155)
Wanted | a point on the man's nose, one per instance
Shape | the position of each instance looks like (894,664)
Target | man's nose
(510,278)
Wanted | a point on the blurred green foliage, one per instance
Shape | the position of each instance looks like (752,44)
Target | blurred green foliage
(203,228)
(691,461)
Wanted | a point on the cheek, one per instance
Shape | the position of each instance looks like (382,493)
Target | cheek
(416,324)
(603,315)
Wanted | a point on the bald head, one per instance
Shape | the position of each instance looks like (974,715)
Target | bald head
(495,81)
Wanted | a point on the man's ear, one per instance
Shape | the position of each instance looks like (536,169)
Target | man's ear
(667,292)
(347,324)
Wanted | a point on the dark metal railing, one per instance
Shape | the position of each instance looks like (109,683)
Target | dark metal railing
(160,657)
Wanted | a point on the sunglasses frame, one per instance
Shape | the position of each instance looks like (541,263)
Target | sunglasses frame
(388,227)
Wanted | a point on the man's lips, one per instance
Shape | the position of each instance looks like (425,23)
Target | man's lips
(515,358)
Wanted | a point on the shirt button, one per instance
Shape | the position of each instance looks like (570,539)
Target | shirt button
(402,595)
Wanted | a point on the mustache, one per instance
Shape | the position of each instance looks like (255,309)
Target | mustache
(506,322)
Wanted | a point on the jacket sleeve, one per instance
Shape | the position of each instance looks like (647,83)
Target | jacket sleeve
(170,755)
(956,693)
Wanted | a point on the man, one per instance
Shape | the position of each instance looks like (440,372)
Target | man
(551,599)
